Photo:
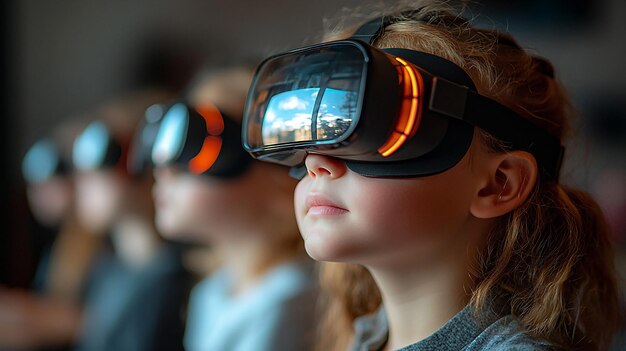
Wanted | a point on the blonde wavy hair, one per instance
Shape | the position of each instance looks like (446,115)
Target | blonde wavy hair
(549,262)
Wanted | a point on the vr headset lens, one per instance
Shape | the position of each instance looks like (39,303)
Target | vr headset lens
(40,162)
(140,156)
(170,138)
(90,148)
(291,117)
(307,97)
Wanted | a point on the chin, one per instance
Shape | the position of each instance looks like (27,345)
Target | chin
(167,233)
(167,228)
(320,248)
(313,252)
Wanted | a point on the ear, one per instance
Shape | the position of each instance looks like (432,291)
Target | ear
(511,177)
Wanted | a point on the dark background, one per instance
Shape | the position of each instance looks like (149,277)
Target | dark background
(61,58)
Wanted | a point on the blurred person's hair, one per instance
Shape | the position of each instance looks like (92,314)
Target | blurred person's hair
(549,262)
(226,87)
(123,115)
(70,260)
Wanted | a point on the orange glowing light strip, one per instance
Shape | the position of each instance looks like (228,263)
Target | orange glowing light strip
(212,144)
(402,133)
(207,155)
(213,118)
(414,99)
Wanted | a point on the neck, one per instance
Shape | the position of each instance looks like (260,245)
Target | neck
(249,258)
(419,303)
(135,241)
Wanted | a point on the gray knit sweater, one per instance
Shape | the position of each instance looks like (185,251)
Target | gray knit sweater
(462,332)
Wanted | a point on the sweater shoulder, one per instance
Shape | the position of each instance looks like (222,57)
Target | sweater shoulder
(506,334)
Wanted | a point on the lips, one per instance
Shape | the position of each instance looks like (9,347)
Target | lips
(322,205)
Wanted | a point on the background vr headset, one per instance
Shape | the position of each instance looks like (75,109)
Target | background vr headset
(43,161)
(387,113)
(95,149)
(200,140)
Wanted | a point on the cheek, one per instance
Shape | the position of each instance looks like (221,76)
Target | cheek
(302,189)
(191,208)
(233,208)
(415,220)
(227,210)
(178,208)
(400,221)
(97,202)
(204,204)
(49,202)
(403,208)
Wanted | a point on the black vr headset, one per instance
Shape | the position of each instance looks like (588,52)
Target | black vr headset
(43,161)
(95,149)
(385,112)
(200,140)
(140,155)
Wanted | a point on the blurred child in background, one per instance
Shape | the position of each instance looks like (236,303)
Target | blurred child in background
(261,294)
(47,170)
(134,288)
(65,256)
(138,287)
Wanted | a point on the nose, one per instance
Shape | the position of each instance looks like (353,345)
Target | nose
(318,165)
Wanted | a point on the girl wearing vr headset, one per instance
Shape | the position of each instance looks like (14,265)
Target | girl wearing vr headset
(431,151)
(258,294)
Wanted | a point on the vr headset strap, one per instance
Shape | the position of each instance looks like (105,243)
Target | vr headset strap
(459,102)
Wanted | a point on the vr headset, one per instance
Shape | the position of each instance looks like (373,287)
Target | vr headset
(42,162)
(95,149)
(140,155)
(201,140)
(385,112)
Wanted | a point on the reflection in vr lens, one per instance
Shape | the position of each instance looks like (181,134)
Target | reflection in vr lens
(291,116)
(288,116)
(172,132)
(309,96)
(336,113)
